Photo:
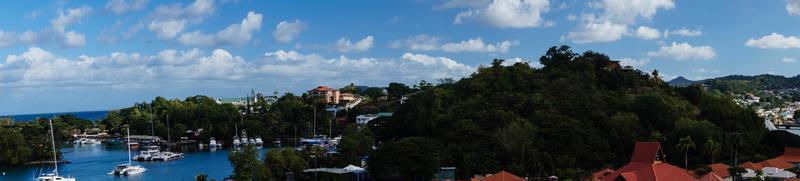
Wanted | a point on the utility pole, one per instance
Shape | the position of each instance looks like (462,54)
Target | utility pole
(314,128)
(169,139)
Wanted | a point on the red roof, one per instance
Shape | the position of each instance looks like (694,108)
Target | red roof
(602,173)
(751,165)
(502,176)
(710,176)
(644,166)
(790,154)
(720,169)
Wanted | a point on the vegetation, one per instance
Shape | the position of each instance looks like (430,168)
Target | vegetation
(246,165)
(577,114)
(23,142)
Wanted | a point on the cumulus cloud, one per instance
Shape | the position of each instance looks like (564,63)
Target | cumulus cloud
(634,62)
(167,21)
(647,33)
(612,23)
(774,41)
(431,43)
(505,13)
(70,17)
(684,51)
(287,31)
(119,7)
(477,45)
(73,39)
(237,34)
(793,7)
(345,45)
(37,67)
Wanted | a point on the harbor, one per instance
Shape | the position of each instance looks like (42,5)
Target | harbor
(93,162)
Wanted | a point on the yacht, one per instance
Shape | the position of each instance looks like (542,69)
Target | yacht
(87,141)
(167,156)
(236,141)
(259,141)
(128,168)
(213,143)
(251,141)
(53,176)
(148,153)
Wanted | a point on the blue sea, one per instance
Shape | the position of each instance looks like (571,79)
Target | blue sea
(89,115)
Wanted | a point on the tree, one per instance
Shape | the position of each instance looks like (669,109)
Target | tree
(14,148)
(712,149)
(796,115)
(201,177)
(355,143)
(246,165)
(409,158)
(282,161)
(373,92)
(397,90)
(684,145)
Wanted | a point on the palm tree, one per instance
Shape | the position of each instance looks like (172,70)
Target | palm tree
(713,149)
(684,145)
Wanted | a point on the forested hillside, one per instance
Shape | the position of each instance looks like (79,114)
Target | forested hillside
(577,114)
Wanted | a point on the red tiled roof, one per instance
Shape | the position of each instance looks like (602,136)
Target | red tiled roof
(777,163)
(503,176)
(790,154)
(711,176)
(643,166)
(720,169)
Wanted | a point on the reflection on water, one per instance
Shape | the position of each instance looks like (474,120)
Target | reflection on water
(93,162)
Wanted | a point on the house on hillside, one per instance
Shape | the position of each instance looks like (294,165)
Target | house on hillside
(647,164)
(331,95)
(774,168)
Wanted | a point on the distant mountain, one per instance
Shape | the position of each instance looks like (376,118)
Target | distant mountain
(680,81)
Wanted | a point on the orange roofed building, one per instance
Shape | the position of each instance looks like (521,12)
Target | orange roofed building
(646,165)
(500,176)
(331,95)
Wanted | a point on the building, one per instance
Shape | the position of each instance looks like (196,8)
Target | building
(332,96)
(647,164)
(721,170)
(499,176)
(365,118)
(775,167)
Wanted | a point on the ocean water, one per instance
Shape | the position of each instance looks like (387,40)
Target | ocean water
(93,162)
(89,115)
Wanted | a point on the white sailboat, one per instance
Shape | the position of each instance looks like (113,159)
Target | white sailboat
(53,176)
(213,143)
(128,168)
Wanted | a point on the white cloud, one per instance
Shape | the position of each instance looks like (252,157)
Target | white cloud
(119,7)
(73,39)
(344,45)
(592,32)
(647,33)
(7,38)
(292,55)
(774,41)
(793,7)
(686,32)
(167,29)
(612,23)
(684,51)
(634,62)
(508,14)
(421,42)
(477,45)
(72,16)
(237,34)
(425,42)
(788,60)
(287,31)
(167,21)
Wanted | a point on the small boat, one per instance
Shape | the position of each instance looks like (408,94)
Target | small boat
(147,154)
(236,141)
(53,176)
(213,143)
(258,141)
(251,141)
(127,169)
(167,156)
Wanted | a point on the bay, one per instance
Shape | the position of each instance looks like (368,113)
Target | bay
(93,162)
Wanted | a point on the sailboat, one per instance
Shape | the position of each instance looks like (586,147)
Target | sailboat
(128,168)
(54,176)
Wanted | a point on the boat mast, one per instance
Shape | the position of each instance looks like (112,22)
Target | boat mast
(129,145)
(169,139)
(53,139)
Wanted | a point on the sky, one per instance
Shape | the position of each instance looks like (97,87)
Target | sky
(60,56)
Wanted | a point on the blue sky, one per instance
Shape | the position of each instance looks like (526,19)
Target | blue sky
(98,55)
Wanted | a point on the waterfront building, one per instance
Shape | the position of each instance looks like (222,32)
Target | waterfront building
(647,164)
(499,176)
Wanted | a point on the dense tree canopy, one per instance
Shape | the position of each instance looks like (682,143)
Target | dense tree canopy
(578,113)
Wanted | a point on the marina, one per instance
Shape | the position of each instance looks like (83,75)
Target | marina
(93,162)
